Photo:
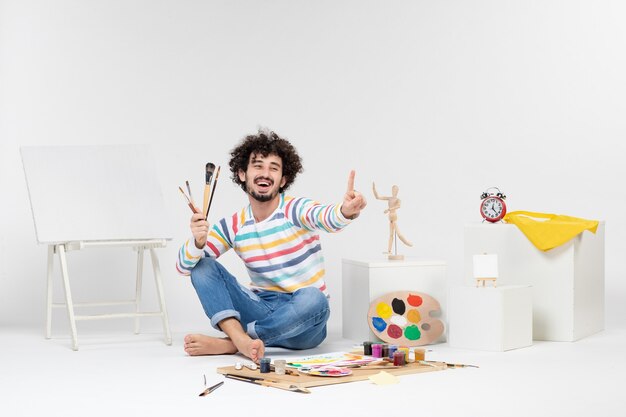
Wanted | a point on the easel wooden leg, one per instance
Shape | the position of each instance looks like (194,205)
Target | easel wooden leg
(68,295)
(159,285)
(140,250)
(49,292)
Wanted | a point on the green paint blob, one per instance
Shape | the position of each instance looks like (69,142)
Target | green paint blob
(412,332)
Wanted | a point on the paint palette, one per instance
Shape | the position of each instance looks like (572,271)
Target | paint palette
(334,371)
(336,359)
(406,318)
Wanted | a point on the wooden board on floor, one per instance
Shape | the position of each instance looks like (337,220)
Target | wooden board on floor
(307,381)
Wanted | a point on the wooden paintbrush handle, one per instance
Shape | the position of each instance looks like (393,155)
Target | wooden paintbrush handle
(207,193)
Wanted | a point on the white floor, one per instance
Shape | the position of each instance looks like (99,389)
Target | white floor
(120,373)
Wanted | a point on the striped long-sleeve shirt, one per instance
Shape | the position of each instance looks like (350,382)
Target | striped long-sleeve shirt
(281,253)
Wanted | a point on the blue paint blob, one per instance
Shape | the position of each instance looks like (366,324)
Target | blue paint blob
(379,324)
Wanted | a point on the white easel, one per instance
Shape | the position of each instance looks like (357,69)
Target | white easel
(97,196)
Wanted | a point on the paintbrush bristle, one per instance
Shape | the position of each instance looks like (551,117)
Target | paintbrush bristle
(189,190)
(210,168)
(213,191)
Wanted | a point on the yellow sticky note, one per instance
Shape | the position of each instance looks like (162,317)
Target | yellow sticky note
(384,378)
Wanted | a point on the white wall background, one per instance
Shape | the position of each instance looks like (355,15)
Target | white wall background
(443,98)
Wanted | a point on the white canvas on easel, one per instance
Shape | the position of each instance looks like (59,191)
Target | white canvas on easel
(486,268)
(94,196)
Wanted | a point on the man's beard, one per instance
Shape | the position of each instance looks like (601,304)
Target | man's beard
(262,198)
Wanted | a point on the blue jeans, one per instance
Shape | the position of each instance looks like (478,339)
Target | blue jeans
(290,320)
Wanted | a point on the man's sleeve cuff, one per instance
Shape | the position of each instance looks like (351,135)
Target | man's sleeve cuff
(190,247)
(343,219)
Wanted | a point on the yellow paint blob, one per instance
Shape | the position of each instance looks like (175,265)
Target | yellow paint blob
(383,310)
(414,316)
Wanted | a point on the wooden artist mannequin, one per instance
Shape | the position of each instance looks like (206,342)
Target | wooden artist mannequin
(393,204)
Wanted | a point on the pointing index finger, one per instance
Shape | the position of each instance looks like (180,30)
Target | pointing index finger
(351,181)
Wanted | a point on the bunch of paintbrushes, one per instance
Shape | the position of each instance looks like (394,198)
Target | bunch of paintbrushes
(270,383)
(210,184)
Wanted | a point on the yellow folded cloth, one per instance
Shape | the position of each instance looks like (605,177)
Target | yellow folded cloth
(547,231)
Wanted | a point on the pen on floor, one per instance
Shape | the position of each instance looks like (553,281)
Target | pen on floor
(211,389)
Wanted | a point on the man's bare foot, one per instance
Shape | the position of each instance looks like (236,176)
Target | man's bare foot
(199,344)
(244,344)
(252,348)
(257,349)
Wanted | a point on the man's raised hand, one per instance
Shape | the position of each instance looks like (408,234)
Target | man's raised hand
(353,201)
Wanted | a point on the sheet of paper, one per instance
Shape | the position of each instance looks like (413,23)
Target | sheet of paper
(384,378)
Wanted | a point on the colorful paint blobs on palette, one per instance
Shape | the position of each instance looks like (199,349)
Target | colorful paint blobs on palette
(412,332)
(383,310)
(414,316)
(414,300)
(379,324)
(406,318)
(395,332)
(328,371)
(398,320)
(398,306)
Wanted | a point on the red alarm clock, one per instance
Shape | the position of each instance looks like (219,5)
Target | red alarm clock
(493,207)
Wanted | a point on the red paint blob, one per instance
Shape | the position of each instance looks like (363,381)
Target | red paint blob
(395,332)
(414,300)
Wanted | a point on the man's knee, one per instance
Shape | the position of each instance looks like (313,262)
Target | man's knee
(205,270)
(313,301)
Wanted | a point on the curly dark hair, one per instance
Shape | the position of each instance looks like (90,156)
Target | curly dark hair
(264,143)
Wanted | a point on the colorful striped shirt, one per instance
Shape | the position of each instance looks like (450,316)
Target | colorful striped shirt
(281,253)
